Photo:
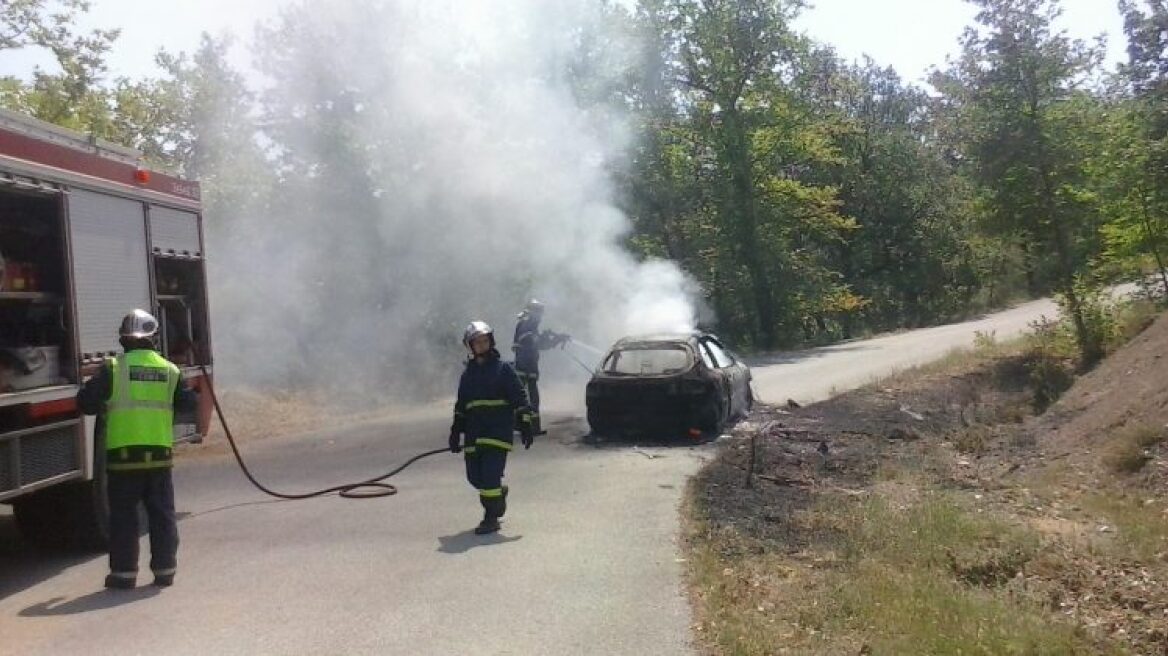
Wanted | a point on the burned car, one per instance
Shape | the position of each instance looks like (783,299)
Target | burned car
(668,385)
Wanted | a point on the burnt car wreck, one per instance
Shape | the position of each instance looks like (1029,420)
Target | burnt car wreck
(667,385)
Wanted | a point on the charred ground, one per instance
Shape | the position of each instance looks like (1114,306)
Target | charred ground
(940,508)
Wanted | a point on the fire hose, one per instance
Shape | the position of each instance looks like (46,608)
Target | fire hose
(373,487)
(586,368)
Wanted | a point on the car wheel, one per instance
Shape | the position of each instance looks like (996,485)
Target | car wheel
(596,425)
(712,416)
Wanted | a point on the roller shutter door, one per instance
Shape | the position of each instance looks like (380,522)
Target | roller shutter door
(110,267)
(174,232)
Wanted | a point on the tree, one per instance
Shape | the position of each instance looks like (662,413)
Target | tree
(1143,132)
(74,97)
(730,64)
(908,256)
(1019,79)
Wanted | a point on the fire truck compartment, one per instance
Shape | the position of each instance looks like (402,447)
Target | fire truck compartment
(35,340)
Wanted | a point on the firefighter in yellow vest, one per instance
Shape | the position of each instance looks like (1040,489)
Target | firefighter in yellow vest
(136,395)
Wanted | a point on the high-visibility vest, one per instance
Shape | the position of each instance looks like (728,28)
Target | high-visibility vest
(140,410)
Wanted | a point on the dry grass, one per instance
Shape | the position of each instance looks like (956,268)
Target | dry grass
(890,573)
(1140,525)
(1130,450)
(257,414)
(1048,562)
(974,440)
(1133,318)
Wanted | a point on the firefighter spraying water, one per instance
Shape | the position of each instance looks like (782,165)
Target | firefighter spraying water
(528,342)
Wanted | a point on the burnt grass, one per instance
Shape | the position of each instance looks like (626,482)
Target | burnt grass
(845,443)
(971,427)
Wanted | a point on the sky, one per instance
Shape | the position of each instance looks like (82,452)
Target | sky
(909,35)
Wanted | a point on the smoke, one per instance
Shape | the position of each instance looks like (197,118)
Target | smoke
(434,162)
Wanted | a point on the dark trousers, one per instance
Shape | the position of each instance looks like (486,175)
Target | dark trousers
(153,488)
(484,470)
(531,386)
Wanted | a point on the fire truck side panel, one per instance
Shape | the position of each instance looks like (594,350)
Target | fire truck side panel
(174,232)
(110,267)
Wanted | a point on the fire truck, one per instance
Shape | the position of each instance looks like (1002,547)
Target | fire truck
(87,233)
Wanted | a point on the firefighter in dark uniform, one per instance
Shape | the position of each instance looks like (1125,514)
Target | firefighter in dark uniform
(136,395)
(528,342)
(490,402)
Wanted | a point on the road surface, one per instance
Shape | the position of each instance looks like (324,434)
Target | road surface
(587,561)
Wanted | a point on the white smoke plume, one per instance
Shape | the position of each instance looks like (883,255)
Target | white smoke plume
(437,167)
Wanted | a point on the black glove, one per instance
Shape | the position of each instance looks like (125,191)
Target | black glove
(455,442)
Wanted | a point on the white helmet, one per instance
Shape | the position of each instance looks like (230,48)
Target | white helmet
(476,329)
(139,324)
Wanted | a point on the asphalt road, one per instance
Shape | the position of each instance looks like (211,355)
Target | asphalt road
(587,561)
(812,375)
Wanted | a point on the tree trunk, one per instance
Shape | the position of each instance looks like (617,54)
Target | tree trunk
(737,153)
(1153,242)
(1032,288)
(1090,350)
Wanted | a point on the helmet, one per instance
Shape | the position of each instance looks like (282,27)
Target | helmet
(476,329)
(535,307)
(139,324)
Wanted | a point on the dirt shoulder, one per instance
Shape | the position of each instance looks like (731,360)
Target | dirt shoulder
(936,513)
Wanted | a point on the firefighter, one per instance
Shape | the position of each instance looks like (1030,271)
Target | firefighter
(136,395)
(528,342)
(490,402)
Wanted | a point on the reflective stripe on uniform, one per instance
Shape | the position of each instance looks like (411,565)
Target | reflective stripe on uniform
(524,374)
(470,450)
(491,493)
(137,466)
(488,403)
(490,441)
(128,576)
(130,404)
(165,572)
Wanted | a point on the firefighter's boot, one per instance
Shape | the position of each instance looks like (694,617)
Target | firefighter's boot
(121,580)
(503,501)
(490,524)
(493,507)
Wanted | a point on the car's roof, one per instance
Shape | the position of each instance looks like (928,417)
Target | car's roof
(661,338)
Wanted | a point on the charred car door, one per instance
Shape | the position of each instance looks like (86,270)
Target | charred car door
(736,375)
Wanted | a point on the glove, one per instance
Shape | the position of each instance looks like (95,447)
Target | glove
(455,442)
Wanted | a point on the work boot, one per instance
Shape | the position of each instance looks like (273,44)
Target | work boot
(121,581)
(163,580)
(490,524)
(503,502)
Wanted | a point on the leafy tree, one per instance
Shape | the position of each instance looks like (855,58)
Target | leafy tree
(1141,137)
(1020,78)
(730,64)
(73,97)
